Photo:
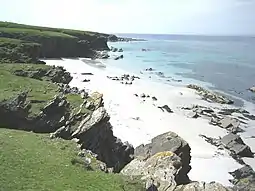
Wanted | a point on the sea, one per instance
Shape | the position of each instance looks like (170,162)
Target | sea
(221,63)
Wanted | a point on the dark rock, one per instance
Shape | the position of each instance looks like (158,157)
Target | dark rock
(154,98)
(120,50)
(87,73)
(86,80)
(169,142)
(230,124)
(143,95)
(235,144)
(136,95)
(166,107)
(160,74)
(149,69)
(119,57)
(244,179)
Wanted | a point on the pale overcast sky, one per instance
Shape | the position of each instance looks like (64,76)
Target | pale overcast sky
(220,17)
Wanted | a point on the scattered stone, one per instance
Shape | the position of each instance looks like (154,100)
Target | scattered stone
(86,80)
(119,57)
(210,96)
(143,95)
(87,73)
(149,69)
(166,107)
(120,50)
(136,95)
(154,98)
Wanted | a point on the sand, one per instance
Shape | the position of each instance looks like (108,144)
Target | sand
(138,120)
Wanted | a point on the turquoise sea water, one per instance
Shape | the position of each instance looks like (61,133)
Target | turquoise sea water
(222,63)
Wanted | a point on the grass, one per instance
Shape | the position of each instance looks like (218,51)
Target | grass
(34,162)
(11,85)
(65,31)
(23,32)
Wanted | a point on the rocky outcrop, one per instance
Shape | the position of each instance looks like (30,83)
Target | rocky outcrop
(222,118)
(88,123)
(210,96)
(244,179)
(236,145)
(159,170)
(163,164)
(54,74)
(233,144)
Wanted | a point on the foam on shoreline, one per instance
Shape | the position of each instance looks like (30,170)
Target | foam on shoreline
(124,109)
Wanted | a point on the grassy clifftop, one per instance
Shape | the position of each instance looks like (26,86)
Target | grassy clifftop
(25,43)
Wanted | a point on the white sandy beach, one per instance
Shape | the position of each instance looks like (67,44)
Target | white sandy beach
(123,107)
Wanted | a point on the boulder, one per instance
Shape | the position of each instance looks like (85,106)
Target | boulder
(120,50)
(159,171)
(236,145)
(154,98)
(252,89)
(165,107)
(230,124)
(168,142)
(244,179)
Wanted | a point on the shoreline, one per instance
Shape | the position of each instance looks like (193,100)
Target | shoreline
(138,121)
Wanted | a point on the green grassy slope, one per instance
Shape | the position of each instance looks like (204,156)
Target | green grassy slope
(32,162)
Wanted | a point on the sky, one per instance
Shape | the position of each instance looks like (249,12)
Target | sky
(209,17)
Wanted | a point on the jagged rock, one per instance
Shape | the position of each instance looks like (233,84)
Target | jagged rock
(165,107)
(202,186)
(244,179)
(230,124)
(55,74)
(119,57)
(160,170)
(120,50)
(114,49)
(235,144)
(210,96)
(252,89)
(97,99)
(143,95)
(168,142)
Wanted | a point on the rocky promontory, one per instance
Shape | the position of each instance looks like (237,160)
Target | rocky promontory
(25,44)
